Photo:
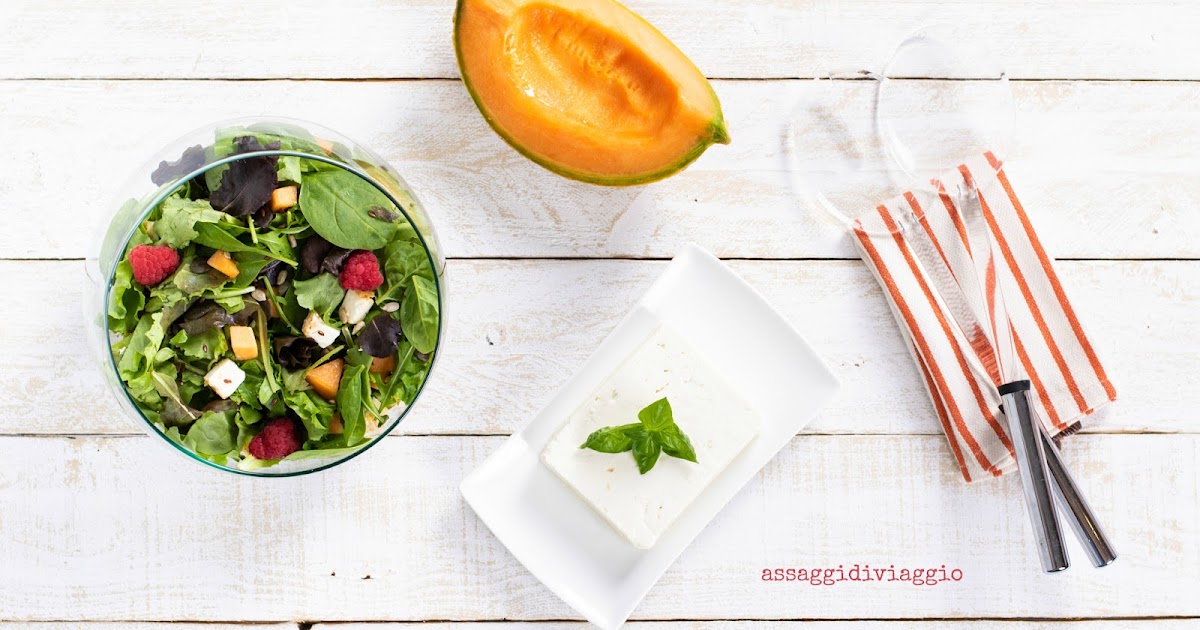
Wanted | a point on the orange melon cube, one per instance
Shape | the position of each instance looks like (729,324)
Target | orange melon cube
(223,262)
(243,343)
(385,365)
(326,379)
(283,198)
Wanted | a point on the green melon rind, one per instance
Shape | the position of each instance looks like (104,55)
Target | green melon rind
(717,134)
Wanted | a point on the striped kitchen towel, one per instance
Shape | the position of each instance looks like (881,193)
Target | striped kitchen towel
(910,243)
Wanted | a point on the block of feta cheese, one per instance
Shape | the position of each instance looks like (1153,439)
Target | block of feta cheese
(355,305)
(224,378)
(707,409)
(316,329)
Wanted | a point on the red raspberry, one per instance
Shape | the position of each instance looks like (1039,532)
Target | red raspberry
(361,272)
(277,440)
(153,263)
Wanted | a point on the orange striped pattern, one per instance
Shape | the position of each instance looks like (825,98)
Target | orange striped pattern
(917,246)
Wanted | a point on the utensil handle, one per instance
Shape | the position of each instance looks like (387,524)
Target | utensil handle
(1035,480)
(1095,543)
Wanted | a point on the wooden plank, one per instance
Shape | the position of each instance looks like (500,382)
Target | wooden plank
(139,625)
(519,328)
(731,38)
(917,624)
(1098,165)
(123,529)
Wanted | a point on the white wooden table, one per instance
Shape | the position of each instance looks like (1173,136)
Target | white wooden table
(98,524)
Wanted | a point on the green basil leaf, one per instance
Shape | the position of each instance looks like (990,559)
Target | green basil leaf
(320,293)
(645,451)
(419,314)
(657,415)
(676,444)
(338,206)
(610,439)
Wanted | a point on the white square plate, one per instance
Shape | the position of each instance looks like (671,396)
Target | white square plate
(554,533)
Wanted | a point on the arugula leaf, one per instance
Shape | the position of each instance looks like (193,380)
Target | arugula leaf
(350,403)
(321,293)
(653,434)
(175,411)
(419,314)
(179,216)
(611,439)
(338,204)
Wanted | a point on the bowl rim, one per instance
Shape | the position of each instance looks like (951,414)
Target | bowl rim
(169,188)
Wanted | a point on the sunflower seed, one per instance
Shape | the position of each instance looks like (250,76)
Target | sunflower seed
(390,307)
(259,295)
(292,240)
(283,276)
(358,327)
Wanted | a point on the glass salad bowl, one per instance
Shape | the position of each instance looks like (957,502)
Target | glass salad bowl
(266,297)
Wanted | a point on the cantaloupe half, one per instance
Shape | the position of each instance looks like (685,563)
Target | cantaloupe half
(586,88)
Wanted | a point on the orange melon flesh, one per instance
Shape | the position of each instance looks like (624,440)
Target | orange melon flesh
(586,88)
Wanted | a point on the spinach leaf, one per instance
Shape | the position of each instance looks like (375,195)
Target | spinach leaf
(320,293)
(220,236)
(338,204)
(402,260)
(350,403)
(419,314)
(212,434)
(179,216)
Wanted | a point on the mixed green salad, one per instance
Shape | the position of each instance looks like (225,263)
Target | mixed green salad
(273,308)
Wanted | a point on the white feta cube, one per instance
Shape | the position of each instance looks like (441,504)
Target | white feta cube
(224,378)
(355,305)
(706,407)
(316,329)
